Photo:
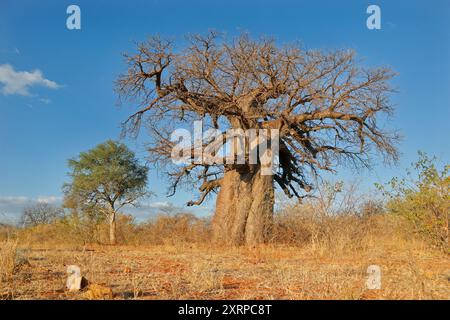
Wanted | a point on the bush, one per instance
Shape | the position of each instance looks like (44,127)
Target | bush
(82,229)
(40,213)
(302,225)
(335,218)
(7,231)
(423,199)
(174,229)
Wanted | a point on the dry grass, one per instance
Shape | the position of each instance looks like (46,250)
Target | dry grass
(410,270)
(313,254)
(8,255)
(163,229)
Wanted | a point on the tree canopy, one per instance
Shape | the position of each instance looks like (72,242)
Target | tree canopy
(325,105)
(106,178)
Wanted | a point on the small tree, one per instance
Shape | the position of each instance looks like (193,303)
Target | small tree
(423,199)
(40,213)
(106,178)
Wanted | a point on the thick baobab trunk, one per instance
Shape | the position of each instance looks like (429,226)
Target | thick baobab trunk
(112,227)
(244,208)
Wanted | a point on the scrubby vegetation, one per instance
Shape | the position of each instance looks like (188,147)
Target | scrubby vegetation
(317,249)
(423,199)
(337,215)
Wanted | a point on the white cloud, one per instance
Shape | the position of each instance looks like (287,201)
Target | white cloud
(152,209)
(160,204)
(45,100)
(13,200)
(11,207)
(19,82)
(49,199)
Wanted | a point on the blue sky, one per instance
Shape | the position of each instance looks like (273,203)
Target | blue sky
(69,106)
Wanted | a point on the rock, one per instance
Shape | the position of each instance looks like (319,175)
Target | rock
(98,292)
(75,282)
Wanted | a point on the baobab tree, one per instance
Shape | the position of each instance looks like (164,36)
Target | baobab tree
(324,105)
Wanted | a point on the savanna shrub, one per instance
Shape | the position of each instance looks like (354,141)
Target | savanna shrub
(173,229)
(423,199)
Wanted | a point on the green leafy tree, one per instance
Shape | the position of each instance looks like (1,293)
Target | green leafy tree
(106,178)
(423,198)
